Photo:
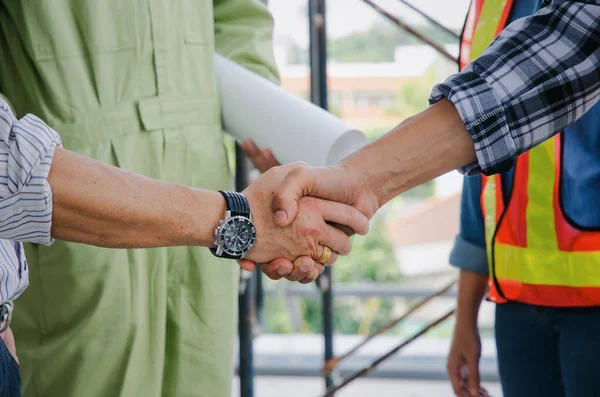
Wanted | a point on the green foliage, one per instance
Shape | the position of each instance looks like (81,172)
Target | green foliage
(349,315)
(277,318)
(378,43)
(375,45)
(422,191)
(411,99)
(334,109)
(375,133)
(371,260)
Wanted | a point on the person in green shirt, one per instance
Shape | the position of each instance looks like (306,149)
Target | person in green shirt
(131,84)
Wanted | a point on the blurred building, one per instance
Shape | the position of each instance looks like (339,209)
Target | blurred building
(363,93)
(423,236)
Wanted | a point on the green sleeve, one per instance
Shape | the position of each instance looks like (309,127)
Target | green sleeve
(244,34)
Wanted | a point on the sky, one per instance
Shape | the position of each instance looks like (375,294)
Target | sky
(348,16)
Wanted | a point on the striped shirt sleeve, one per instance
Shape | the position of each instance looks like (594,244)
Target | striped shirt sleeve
(539,76)
(26,150)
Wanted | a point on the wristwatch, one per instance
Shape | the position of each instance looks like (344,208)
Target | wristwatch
(236,234)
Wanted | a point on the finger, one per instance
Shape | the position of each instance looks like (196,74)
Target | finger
(260,162)
(259,159)
(332,258)
(311,277)
(249,148)
(303,266)
(246,264)
(454,373)
(335,239)
(349,232)
(345,215)
(269,158)
(277,268)
(473,379)
(300,181)
(320,268)
(9,341)
(264,161)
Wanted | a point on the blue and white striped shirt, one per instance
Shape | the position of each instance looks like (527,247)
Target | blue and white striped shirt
(26,150)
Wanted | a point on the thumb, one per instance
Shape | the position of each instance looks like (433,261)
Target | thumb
(247,265)
(300,181)
(473,377)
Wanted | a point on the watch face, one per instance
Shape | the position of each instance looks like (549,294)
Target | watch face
(237,235)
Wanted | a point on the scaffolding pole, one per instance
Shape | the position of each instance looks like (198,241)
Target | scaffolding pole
(246,364)
(430,19)
(318,90)
(406,27)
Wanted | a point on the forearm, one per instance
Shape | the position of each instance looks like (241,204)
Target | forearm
(419,149)
(471,291)
(102,205)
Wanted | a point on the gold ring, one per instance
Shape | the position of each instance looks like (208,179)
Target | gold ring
(324,256)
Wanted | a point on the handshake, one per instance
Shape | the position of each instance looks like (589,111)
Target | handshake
(303,216)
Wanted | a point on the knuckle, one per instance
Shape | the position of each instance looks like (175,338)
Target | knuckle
(311,204)
(274,276)
(300,171)
(299,164)
(296,172)
(346,247)
(310,230)
(351,214)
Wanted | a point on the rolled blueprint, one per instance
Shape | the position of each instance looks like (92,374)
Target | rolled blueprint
(294,129)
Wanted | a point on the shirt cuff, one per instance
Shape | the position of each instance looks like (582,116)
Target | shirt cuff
(43,141)
(469,256)
(485,119)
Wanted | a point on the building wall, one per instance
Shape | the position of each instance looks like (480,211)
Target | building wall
(421,259)
(361,101)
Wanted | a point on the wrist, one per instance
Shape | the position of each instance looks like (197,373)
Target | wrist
(212,205)
(381,167)
(366,197)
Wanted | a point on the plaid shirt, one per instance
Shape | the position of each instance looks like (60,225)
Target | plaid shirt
(537,77)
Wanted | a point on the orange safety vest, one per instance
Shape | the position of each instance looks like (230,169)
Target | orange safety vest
(535,254)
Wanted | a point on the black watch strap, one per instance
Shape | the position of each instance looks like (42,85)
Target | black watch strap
(236,203)
(224,255)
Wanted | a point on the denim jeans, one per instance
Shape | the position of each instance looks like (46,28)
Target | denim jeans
(549,352)
(10,375)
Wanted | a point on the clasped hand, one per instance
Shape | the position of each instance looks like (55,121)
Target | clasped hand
(290,250)
(295,207)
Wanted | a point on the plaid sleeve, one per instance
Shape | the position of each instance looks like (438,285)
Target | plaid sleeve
(537,77)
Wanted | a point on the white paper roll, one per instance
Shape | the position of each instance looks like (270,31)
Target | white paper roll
(294,129)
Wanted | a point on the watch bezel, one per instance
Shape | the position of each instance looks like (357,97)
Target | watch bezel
(220,241)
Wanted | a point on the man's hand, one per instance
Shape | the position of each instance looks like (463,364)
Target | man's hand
(343,184)
(301,241)
(418,150)
(463,361)
(9,340)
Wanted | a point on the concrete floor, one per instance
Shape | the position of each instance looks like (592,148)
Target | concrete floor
(266,386)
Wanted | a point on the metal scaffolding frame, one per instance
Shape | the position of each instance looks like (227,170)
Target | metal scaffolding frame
(251,295)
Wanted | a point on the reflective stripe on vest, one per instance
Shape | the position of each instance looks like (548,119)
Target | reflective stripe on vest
(535,255)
